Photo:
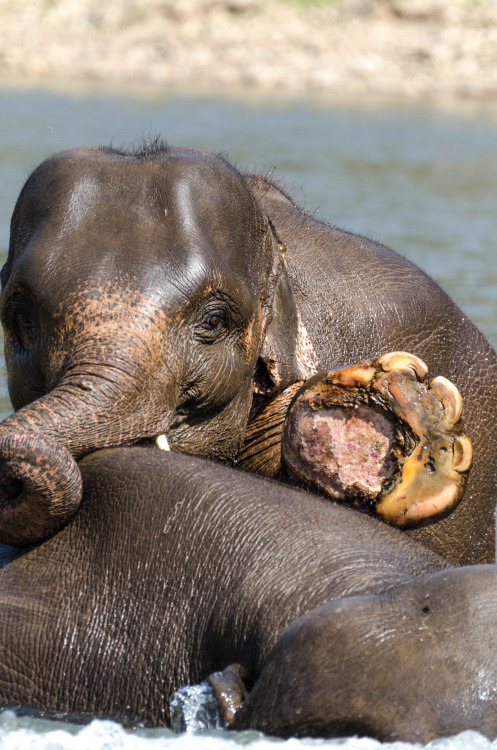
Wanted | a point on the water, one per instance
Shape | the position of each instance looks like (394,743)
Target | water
(28,734)
(194,708)
(419,180)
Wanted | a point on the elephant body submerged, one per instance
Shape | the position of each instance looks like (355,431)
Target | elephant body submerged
(176,567)
(164,293)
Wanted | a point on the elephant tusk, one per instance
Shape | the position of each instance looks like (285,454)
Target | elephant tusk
(162,443)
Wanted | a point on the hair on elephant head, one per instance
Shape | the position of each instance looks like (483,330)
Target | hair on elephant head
(144,294)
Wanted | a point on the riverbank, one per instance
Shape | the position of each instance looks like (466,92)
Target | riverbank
(418,49)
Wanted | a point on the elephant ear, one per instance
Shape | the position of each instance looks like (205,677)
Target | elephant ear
(287,355)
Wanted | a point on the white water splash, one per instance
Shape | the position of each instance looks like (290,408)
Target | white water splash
(194,708)
(23,733)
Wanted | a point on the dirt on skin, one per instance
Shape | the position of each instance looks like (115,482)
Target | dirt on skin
(437,49)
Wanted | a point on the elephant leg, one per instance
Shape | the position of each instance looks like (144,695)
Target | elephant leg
(416,662)
(382,437)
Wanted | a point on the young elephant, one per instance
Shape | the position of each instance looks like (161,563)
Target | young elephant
(164,293)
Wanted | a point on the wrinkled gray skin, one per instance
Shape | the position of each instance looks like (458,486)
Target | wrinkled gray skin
(176,567)
(165,292)
(168,293)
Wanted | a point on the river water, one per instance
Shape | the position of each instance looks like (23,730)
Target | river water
(421,180)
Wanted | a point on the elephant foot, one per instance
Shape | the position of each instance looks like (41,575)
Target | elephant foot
(381,436)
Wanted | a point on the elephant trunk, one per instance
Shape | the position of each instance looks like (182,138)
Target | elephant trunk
(40,482)
(40,487)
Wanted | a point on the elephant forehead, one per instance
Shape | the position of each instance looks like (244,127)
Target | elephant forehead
(179,197)
(183,216)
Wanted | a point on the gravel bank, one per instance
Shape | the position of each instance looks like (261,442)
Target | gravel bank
(410,48)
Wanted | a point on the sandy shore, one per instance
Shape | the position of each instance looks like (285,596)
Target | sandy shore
(433,49)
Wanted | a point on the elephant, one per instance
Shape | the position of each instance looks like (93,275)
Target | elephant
(176,567)
(162,295)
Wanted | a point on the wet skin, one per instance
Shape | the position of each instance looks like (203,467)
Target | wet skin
(168,293)
(172,569)
(359,300)
(135,297)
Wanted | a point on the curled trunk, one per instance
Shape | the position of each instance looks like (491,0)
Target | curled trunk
(40,482)
(40,488)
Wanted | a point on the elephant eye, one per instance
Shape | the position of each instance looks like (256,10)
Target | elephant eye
(214,320)
(23,325)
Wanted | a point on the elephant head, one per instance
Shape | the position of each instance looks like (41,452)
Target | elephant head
(143,296)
